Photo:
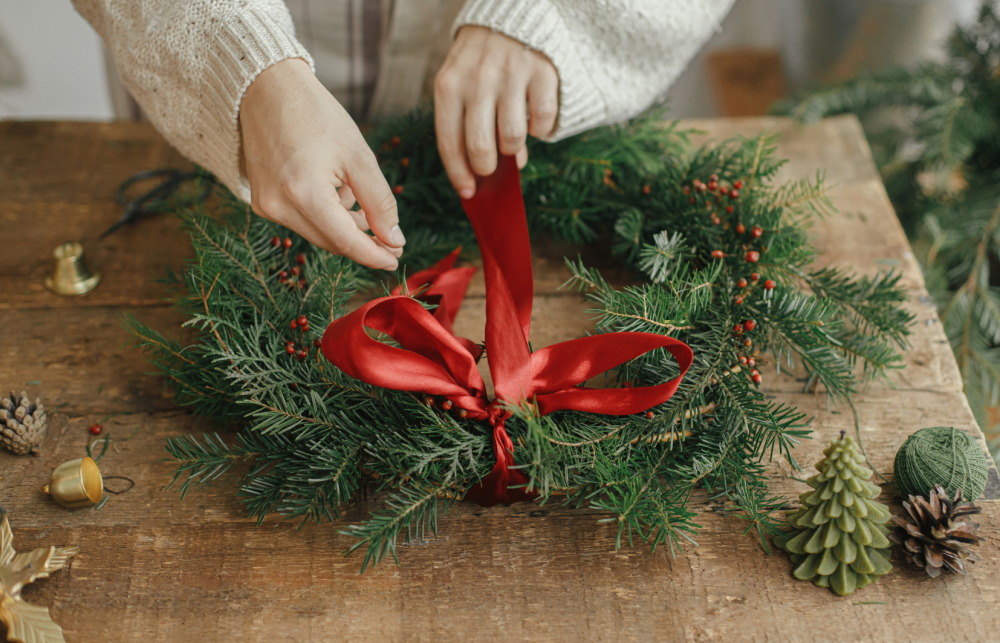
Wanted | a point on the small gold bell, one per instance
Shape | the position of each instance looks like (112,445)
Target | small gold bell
(77,483)
(71,275)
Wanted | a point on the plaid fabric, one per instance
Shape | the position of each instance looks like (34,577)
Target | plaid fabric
(375,56)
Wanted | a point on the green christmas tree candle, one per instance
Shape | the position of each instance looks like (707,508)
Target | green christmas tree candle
(838,537)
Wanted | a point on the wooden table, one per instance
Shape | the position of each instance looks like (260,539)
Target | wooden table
(155,568)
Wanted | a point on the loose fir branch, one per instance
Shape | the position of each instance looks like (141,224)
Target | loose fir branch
(934,130)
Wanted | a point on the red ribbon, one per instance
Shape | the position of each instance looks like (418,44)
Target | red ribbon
(437,363)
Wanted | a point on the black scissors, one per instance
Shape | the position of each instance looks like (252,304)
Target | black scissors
(152,202)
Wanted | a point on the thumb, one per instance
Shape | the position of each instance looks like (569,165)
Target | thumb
(375,198)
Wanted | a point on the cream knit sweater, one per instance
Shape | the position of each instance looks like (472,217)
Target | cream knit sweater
(189,62)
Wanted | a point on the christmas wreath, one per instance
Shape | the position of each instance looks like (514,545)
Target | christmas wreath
(329,398)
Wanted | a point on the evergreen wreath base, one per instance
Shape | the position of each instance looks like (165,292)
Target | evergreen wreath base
(721,261)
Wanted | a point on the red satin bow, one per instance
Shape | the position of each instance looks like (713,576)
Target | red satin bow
(435,362)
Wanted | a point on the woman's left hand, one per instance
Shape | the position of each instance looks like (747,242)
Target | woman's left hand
(490,83)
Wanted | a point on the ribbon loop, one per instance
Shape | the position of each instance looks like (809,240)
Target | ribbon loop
(436,362)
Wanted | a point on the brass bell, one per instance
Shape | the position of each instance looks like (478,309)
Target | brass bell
(71,275)
(77,483)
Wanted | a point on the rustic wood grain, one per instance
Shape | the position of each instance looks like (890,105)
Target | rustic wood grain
(155,568)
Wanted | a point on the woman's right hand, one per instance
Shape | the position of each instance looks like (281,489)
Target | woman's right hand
(300,146)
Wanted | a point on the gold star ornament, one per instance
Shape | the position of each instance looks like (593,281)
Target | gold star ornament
(27,623)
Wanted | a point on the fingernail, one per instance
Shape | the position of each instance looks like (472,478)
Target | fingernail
(466,193)
(396,236)
(391,266)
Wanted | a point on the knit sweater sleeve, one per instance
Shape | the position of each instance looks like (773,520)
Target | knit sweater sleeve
(188,64)
(614,59)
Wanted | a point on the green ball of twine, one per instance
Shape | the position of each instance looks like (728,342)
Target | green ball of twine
(941,455)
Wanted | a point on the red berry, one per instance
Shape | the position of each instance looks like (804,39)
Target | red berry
(290,349)
(740,228)
(749,324)
(96,429)
(714,178)
(686,190)
(429,401)
(739,300)
(718,254)
(742,283)
(738,329)
(750,362)
(405,162)
(446,405)
(303,321)
(755,372)
(729,209)
(302,283)
(398,189)
(712,186)
(627,385)
(645,189)
(317,343)
(734,194)
(283,274)
(396,141)
(288,242)
(692,199)
(293,325)
(462,413)
(649,415)
(757,231)
(753,256)
(607,171)
(769,284)
(300,355)
(748,342)
(754,277)
(738,185)
(295,270)
(757,379)
(275,241)
(743,359)
(716,220)
(300,259)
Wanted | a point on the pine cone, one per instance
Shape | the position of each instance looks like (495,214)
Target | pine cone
(931,536)
(21,423)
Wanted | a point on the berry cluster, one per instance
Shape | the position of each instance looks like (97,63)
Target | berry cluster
(301,324)
(714,193)
(445,405)
(292,277)
(748,360)
(394,142)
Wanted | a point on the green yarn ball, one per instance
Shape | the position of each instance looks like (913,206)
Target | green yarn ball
(941,455)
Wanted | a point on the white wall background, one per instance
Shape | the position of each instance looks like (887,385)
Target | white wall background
(63,75)
(60,59)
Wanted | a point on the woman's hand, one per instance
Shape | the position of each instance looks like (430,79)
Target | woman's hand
(490,83)
(300,146)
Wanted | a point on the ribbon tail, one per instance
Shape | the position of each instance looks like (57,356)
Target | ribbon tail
(446,288)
